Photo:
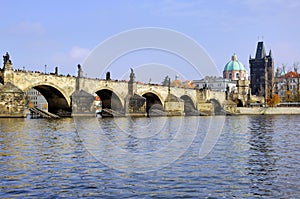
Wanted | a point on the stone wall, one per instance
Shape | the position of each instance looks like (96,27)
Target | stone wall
(269,111)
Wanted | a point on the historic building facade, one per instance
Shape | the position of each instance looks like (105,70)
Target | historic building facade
(215,84)
(36,99)
(287,85)
(262,72)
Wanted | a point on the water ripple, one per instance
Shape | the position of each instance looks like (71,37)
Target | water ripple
(256,156)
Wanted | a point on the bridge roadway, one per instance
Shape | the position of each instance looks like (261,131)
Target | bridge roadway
(58,90)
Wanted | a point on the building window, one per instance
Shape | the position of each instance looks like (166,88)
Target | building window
(237,75)
(230,76)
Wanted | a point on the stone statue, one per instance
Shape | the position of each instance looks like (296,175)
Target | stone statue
(80,72)
(227,93)
(166,81)
(107,76)
(6,58)
(132,75)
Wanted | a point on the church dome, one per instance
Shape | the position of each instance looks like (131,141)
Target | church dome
(234,65)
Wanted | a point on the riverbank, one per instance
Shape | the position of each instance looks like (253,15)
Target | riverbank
(268,111)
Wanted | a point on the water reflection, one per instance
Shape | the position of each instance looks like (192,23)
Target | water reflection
(262,155)
(163,142)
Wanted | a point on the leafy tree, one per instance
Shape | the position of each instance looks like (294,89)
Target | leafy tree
(274,100)
(288,96)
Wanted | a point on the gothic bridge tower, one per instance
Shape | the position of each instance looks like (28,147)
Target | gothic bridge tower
(262,72)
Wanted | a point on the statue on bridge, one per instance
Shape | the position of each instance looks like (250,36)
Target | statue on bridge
(80,71)
(107,76)
(166,81)
(6,59)
(132,75)
(131,82)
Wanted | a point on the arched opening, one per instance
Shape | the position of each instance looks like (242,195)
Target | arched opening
(110,100)
(189,107)
(152,102)
(218,110)
(239,103)
(57,103)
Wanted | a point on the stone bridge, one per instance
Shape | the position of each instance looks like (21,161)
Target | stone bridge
(59,91)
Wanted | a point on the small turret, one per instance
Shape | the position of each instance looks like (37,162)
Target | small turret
(270,54)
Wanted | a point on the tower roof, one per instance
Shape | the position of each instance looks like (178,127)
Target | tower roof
(234,64)
(260,51)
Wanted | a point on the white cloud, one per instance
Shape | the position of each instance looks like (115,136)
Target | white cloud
(35,28)
(79,53)
(75,56)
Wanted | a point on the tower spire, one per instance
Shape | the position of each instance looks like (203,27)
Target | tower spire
(260,51)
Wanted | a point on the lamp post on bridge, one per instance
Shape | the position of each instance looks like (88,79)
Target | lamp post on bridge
(45,68)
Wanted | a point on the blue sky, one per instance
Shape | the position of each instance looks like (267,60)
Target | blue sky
(63,33)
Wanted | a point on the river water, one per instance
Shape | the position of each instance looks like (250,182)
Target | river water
(161,157)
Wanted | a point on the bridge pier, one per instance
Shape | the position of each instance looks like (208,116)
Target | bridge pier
(135,105)
(174,106)
(12,98)
(12,102)
(83,104)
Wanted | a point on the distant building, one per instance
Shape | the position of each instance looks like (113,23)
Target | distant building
(178,83)
(262,72)
(235,70)
(287,85)
(36,99)
(215,84)
(236,90)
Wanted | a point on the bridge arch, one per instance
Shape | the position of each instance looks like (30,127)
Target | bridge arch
(189,105)
(239,102)
(110,99)
(58,101)
(153,100)
(218,109)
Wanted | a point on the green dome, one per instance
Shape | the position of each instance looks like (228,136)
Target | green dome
(234,64)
